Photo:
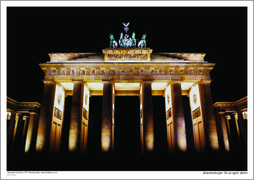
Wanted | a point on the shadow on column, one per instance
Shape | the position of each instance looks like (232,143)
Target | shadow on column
(66,125)
(188,124)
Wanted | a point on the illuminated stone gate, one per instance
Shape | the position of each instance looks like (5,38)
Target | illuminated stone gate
(127,71)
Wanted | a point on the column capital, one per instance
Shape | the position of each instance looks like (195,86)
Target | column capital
(47,81)
(25,117)
(30,112)
(206,81)
(76,82)
(148,82)
(106,82)
(10,110)
(222,112)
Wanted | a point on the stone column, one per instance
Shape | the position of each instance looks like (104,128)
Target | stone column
(23,141)
(223,129)
(10,131)
(75,122)
(42,141)
(17,136)
(141,120)
(147,106)
(229,132)
(207,109)
(107,107)
(180,143)
(243,130)
(235,132)
(31,132)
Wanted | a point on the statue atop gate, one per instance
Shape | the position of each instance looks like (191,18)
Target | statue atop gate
(127,41)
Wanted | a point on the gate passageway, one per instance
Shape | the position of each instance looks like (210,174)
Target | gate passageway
(127,125)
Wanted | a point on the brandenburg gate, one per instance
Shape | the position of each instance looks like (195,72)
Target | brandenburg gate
(127,68)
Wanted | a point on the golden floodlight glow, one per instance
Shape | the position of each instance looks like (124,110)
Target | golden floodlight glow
(29,139)
(158,86)
(149,141)
(181,136)
(67,86)
(40,141)
(105,139)
(127,86)
(186,86)
(95,86)
(214,140)
(245,115)
(73,139)
(8,115)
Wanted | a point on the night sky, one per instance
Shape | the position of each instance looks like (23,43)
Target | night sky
(33,32)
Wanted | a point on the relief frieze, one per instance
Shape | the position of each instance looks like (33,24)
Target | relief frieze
(58,113)
(196,113)
(127,57)
(85,114)
(168,114)
(130,71)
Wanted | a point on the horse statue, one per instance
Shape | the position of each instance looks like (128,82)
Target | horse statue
(121,40)
(133,43)
(126,40)
(112,43)
(142,43)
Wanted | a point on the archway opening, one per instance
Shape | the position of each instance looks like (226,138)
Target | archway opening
(127,125)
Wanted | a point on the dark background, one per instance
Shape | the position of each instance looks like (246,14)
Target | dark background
(34,32)
(220,32)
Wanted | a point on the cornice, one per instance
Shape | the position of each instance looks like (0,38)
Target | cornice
(63,57)
(238,105)
(15,105)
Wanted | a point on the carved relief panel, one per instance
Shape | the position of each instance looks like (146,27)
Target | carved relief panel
(53,71)
(82,71)
(191,72)
(112,72)
(92,71)
(72,71)
(63,71)
(171,71)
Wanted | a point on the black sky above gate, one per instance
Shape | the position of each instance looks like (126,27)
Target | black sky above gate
(33,32)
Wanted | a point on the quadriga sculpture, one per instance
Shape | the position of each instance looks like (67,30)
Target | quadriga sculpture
(121,40)
(142,43)
(133,40)
(112,43)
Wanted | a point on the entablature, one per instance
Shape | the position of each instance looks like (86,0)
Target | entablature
(127,71)
(126,55)
(240,105)
(22,106)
